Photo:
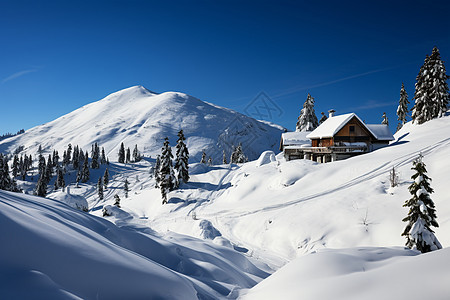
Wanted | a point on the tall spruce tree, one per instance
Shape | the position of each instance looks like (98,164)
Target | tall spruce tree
(103,157)
(431,93)
(181,159)
(5,179)
(60,183)
(238,157)
(136,154)
(422,214)
(41,187)
(106,178)
(121,153)
(402,109)
(126,188)
(128,156)
(168,181)
(95,156)
(307,121)
(100,188)
(85,174)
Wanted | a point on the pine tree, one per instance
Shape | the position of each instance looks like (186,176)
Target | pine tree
(117,200)
(136,154)
(69,154)
(402,109)
(422,214)
(238,157)
(168,180)
(431,91)
(60,182)
(121,154)
(157,170)
(41,164)
(126,189)
(224,158)
(100,188)
(323,118)
(95,156)
(15,166)
(103,157)
(55,158)
(106,178)
(203,160)
(182,157)
(85,174)
(307,121)
(41,187)
(5,179)
(210,163)
(128,156)
(385,119)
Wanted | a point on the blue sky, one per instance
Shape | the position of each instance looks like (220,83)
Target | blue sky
(349,55)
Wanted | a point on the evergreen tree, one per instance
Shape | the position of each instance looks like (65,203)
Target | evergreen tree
(224,158)
(106,178)
(136,154)
(41,164)
(60,182)
(48,173)
(76,158)
(431,91)
(55,158)
(128,156)
(117,200)
(203,160)
(238,157)
(100,188)
(307,121)
(422,214)
(168,180)
(156,170)
(126,189)
(385,119)
(323,118)
(402,109)
(69,154)
(41,187)
(182,157)
(65,160)
(15,166)
(95,156)
(103,157)
(121,153)
(85,172)
(210,163)
(5,179)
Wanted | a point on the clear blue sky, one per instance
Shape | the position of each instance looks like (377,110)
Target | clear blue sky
(350,56)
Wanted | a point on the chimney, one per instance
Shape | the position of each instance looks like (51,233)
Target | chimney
(331,113)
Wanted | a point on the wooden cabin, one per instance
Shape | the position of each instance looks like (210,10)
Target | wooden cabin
(340,137)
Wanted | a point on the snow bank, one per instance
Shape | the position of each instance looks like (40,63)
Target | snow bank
(265,158)
(360,274)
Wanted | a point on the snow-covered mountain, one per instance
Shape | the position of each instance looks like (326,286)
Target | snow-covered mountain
(138,116)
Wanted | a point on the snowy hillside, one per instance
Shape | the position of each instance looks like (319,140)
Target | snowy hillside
(50,251)
(137,116)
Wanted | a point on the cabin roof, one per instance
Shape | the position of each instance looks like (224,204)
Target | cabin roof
(332,125)
(295,138)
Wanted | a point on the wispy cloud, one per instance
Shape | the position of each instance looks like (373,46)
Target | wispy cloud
(303,88)
(18,74)
(373,104)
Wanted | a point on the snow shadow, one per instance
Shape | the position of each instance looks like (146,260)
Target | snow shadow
(399,140)
(206,186)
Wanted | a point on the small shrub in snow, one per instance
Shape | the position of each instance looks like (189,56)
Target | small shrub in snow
(117,200)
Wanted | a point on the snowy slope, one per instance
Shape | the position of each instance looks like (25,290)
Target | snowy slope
(137,116)
(50,251)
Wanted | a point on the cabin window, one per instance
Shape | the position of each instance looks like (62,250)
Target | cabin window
(352,128)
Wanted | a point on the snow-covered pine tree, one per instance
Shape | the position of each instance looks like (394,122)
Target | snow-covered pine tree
(117,200)
(181,159)
(41,164)
(168,180)
(402,109)
(81,158)
(323,118)
(210,162)
(60,182)
(128,156)
(157,170)
(15,166)
(100,188)
(136,154)
(41,187)
(121,153)
(103,157)
(385,120)
(55,158)
(69,154)
(106,178)
(431,91)
(203,160)
(307,121)
(238,157)
(126,188)
(95,156)
(5,179)
(75,157)
(422,214)
(224,158)
(85,172)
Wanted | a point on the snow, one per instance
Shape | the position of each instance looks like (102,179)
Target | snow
(331,126)
(231,225)
(137,116)
(369,273)
(381,132)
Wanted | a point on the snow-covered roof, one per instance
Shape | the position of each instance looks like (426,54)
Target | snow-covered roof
(331,126)
(381,132)
(295,138)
